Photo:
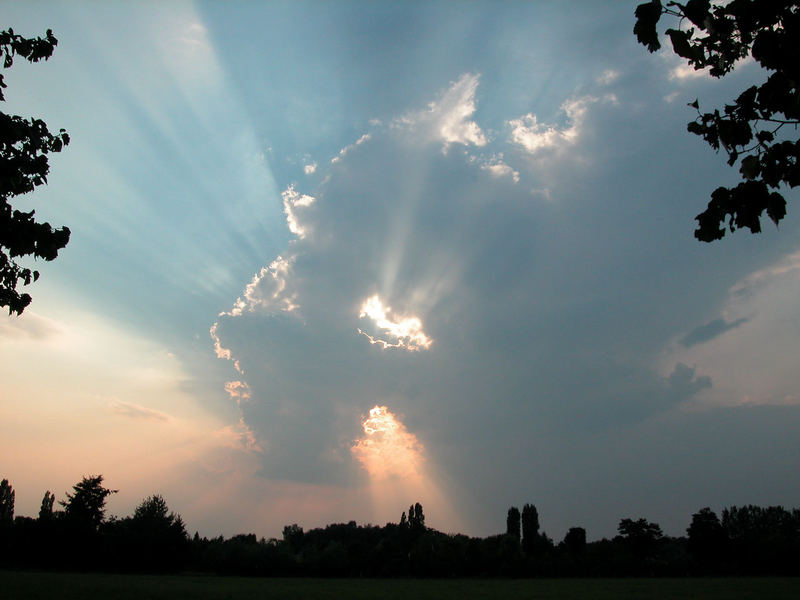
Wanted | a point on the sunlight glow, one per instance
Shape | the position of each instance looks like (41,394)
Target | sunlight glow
(388,450)
(400,472)
(406,331)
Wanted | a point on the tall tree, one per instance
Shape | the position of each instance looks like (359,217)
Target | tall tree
(513,522)
(416,518)
(24,147)
(753,128)
(6,502)
(706,538)
(87,505)
(46,510)
(530,528)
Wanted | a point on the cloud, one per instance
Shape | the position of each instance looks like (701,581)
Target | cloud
(683,72)
(787,267)
(607,77)
(310,169)
(238,390)
(268,291)
(748,350)
(709,331)
(405,332)
(535,137)
(447,119)
(520,310)
(387,449)
(349,148)
(683,383)
(136,411)
(498,168)
(292,201)
(219,349)
(28,325)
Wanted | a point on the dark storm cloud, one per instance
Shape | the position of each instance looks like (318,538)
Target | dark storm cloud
(709,331)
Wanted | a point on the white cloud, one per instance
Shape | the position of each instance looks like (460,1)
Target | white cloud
(607,77)
(448,118)
(534,136)
(310,169)
(498,168)
(405,332)
(268,290)
(683,72)
(343,152)
(292,200)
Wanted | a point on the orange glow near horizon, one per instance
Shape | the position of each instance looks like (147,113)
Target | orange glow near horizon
(399,472)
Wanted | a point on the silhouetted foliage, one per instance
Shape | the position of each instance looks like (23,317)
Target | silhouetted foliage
(293,535)
(716,36)
(86,506)
(46,510)
(6,503)
(764,541)
(706,541)
(748,540)
(641,536)
(153,539)
(530,528)
(575,541)
(416,519)
(24,148)
(513,523)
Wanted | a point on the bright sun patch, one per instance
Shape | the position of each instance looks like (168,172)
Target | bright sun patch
(404,332)
(387,449)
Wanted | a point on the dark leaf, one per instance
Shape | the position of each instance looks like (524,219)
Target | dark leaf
(751,167)
(647,16)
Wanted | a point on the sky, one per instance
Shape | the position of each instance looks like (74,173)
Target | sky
(329,259)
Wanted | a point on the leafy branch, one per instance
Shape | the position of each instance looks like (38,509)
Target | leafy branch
(719,37)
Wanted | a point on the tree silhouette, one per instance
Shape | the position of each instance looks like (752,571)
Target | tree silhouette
(6,503)
(641,536)
(293,535)
(513,522)
(24,146)
(753,126)
(153,538)
(530,528)
(706,539)
(86,506)
(575,541)
(46,510)
(416,519)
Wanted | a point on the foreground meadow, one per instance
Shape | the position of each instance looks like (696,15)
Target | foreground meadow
(73,586)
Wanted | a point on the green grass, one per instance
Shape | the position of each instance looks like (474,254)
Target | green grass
(73,586)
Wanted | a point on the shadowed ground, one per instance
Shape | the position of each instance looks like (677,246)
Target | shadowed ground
(69,586)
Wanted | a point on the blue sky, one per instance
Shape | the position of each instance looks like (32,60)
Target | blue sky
(477,215)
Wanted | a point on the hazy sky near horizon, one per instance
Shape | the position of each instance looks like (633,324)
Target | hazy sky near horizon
(478,215)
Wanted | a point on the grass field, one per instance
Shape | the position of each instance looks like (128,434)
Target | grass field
(72,586)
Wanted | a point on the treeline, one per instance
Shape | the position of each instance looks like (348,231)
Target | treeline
(747,540)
